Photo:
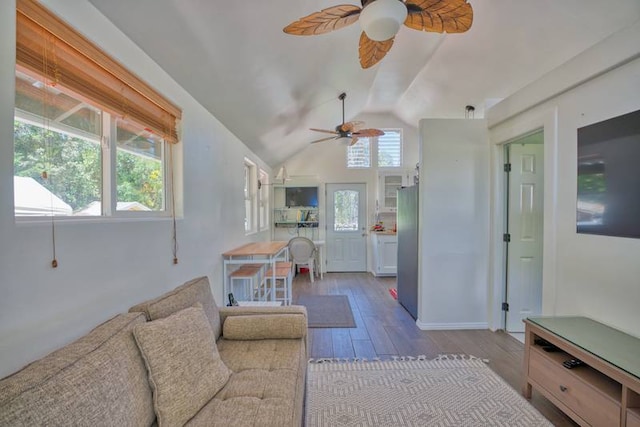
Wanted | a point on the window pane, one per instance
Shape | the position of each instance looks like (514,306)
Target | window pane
(359,154)
(73,169)
(345,210)
(35,100)
(390,149)
(139,168)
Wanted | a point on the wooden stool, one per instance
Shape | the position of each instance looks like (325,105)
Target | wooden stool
(249,274)
(282,284)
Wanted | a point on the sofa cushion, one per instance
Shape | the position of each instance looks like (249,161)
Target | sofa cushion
(97,378)
(260,327)
(266,387)
(184,296)
(185,370)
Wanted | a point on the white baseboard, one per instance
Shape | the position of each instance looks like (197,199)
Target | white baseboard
(450,326)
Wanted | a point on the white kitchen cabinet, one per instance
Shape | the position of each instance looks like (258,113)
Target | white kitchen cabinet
(385,254)
(388,184)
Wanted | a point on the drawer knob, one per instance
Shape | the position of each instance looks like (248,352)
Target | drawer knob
(563,388)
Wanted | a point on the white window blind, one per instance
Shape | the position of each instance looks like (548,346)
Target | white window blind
(390,149)
(359,154)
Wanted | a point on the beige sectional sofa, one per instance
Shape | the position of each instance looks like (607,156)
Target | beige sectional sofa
(177,359)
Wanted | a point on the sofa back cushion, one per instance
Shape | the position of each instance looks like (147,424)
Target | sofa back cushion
(184,296)
(100,378)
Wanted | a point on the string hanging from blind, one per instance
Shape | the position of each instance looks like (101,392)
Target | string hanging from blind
(48,53)
(84,69)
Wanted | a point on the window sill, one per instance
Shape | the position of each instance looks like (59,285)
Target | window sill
(59,220)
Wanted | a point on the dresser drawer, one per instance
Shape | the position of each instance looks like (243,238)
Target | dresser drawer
(593,405)
(633,418)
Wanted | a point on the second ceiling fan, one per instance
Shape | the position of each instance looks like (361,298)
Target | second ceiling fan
(348,130)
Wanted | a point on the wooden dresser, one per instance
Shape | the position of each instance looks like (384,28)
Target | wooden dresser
(605,391)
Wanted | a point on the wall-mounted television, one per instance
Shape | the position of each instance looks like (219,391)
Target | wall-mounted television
(301,196)
(609,177)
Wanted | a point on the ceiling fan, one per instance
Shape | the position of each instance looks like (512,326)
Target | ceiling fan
(381,20)
(348,130)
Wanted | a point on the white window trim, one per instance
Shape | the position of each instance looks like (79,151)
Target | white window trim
(250,169)
(108,170)
(263,200)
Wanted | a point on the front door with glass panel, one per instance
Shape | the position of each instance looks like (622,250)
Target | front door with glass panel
(346,227)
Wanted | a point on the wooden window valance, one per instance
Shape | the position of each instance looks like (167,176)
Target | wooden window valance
(48,47)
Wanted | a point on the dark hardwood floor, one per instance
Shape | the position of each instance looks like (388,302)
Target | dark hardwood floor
(384,329)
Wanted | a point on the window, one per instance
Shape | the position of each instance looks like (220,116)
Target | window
(90,138)
(390,149)
(359,154)
(263,216)
(345,213)
(250,195)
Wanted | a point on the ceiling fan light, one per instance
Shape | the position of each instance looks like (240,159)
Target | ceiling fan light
(381,19)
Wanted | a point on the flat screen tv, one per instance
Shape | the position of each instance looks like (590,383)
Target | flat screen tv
(609,177)
(301,196)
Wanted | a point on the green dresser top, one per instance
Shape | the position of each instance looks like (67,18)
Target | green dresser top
(614,346)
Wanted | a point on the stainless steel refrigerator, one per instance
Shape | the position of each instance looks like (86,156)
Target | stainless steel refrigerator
(407,221)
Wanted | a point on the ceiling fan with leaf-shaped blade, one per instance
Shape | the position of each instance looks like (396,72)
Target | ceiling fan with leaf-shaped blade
(381,20)
(348,130)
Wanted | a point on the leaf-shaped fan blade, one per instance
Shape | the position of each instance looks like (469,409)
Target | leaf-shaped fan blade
(368,133)
(327,20)
(371,52)
(354,141)
(325,131)
(351,126)
(439,16)
(323,139)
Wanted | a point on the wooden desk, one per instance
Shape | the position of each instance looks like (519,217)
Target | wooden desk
(256,249)
(605,391)
(266,253)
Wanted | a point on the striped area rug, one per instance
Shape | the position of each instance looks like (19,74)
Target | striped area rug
(449,391)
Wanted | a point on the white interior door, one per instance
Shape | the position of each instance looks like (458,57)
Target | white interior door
(346,227)
(525,222)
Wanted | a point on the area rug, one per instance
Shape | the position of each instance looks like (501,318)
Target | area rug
(328,311)
(448,391)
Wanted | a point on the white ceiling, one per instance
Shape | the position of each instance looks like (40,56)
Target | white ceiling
(268,87)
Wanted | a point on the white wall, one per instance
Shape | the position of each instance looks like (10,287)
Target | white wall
(454,224)
(107,266)
(593,276)
(326,162)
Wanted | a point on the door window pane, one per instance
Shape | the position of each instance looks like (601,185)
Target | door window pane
(345,210)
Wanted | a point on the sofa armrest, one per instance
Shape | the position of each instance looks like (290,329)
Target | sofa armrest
(261,310)
(263,327)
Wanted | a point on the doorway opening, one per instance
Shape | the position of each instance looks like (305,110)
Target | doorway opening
(346,233)
(523,229)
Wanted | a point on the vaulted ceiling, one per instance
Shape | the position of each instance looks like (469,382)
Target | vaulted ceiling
(269,88)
